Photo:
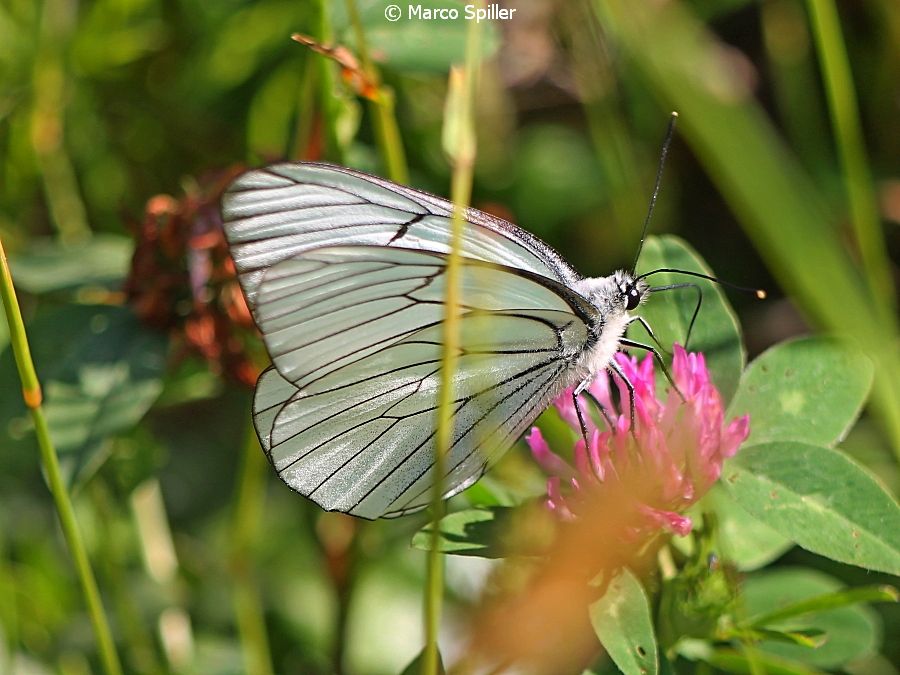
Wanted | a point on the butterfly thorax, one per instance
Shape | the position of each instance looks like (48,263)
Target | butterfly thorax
(613,297)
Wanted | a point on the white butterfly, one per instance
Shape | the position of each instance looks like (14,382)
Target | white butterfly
(345,275)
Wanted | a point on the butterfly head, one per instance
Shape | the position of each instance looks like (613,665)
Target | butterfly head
(615,295)
(630,291)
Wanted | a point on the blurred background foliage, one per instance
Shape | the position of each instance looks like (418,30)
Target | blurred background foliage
(784,175)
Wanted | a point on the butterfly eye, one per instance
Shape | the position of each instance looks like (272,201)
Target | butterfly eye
(632,298)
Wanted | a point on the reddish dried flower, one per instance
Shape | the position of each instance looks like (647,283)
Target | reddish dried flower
(675,453)
(182,278)
(352,72)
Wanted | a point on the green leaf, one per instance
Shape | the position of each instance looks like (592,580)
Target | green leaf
(48,265)
(851,631)
(415,667)
(810,390)
(269,121)
(489,532)
(716,332)
(4,334)
(605,666)
(100,371)
(812,638)
(754,661)
(819,498)
(623,623)
(828,601)
(746,542)
(197,438)
(488,491)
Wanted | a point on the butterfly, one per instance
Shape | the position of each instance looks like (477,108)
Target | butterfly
(345,274)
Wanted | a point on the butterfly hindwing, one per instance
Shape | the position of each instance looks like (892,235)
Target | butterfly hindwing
(347,415)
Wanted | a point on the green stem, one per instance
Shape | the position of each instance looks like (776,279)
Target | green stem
(31,392)
(245,528)
(334,150)
(342,555)
(459,141)
(48,121)
(387,134)
(9,605)
(306,111)
(387,131)
(140,651)
(844,111)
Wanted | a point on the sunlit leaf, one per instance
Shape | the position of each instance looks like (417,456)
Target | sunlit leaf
(819,498)
(810,390)
(623,622)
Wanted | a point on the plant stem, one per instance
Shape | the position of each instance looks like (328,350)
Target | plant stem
(387,131)
(245,528)
(9,606)
(334,150)
(47,123)
(844,111)
(306,145)
(461,189)
(338,536)
(459,142)
(31,393)
(161,562)
(138,646)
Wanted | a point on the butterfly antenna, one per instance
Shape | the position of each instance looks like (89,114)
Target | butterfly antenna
(667,141)
(758,292)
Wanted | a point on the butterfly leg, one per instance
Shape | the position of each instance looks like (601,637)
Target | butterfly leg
(656,357)
(600,407)
(583,389)
(641,320)
(696,288)
(580,388)
(614,367)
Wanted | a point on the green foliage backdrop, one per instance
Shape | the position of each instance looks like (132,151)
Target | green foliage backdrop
(784,174)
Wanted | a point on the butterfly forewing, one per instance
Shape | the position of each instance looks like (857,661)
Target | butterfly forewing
(272,214)
(347,415)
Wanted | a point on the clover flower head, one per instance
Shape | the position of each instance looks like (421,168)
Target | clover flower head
(674,454)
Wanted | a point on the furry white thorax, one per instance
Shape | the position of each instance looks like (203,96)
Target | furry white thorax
(608,295)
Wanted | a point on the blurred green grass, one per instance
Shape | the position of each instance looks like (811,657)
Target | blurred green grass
(107,103)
